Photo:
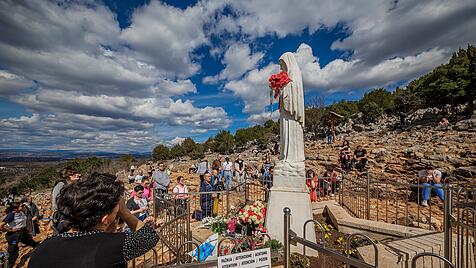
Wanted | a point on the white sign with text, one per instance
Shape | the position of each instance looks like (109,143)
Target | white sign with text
(260,258)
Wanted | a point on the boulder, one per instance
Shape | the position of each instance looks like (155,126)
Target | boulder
(358,127)
(466,172)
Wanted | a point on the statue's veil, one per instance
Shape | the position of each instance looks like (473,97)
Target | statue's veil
(293,99)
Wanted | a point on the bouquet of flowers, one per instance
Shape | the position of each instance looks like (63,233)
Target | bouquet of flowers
(278,81)
(253,214)
(217,225)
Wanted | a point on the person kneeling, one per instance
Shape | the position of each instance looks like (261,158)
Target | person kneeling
(92,208)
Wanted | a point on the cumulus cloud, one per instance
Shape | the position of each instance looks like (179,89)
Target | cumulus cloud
(261,118)
(76,132)
(77,64)
(341,74)
(253,88)
(165,36)
(177,140)
(238,59)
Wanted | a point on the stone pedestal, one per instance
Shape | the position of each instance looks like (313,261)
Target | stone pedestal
(289,190)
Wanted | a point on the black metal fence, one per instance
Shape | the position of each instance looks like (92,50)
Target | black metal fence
(391,201)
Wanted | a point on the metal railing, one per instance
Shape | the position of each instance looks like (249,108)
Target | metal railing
(176,210)
(399,203)
(415,258)
(290,237)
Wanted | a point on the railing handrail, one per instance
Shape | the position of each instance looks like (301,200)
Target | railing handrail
(290,236)
(433,255)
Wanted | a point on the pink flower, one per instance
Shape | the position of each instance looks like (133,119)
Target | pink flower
(231,226)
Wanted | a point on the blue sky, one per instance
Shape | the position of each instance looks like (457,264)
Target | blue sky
(127,75)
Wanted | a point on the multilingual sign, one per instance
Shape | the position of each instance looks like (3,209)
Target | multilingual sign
(260,258)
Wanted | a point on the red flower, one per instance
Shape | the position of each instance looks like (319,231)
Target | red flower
(278,81)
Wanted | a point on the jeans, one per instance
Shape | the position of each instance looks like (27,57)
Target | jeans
(240,178)
(228,179)
(329,139)
(426,192)
(13,238)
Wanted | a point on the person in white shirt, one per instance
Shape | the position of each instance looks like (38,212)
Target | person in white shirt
(240,170)
(430,177)
(181,192)
(227,169)
(139,177)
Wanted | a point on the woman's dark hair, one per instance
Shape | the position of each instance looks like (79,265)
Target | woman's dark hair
(138,188)
(179,178)
(86,201)
(345,142)
(309,172)
(67,172)
(12,206)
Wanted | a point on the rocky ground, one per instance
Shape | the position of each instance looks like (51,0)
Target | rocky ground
(393,154)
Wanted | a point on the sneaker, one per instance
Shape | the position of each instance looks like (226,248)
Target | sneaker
(424,203)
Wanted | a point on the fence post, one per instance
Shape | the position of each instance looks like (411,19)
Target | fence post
(228,206)
(286,242)
(341,191)
(368,196)
(447,224)
(247,194)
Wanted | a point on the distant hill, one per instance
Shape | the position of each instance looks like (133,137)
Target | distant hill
(9,155)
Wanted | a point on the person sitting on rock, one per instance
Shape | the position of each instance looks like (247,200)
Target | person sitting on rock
(360,159)
(430,177)
(345,156)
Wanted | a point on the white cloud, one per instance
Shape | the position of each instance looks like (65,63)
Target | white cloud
(165,36)
(76,132)
(177,140)
(261,118)
(341,74)
(253,88)
(238,59)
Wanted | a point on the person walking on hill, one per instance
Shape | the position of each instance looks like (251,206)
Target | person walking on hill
(329,136)
(227,169)
(430,177)
(240,171)
(93,207)
(14,224)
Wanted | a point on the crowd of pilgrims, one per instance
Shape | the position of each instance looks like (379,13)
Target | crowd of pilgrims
(96,222)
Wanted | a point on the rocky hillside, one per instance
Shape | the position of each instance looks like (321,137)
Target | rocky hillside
(401,153)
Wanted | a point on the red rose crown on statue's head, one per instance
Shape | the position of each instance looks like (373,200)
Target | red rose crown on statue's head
(278,81)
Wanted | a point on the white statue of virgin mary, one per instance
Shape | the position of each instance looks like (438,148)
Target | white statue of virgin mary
(291,118)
